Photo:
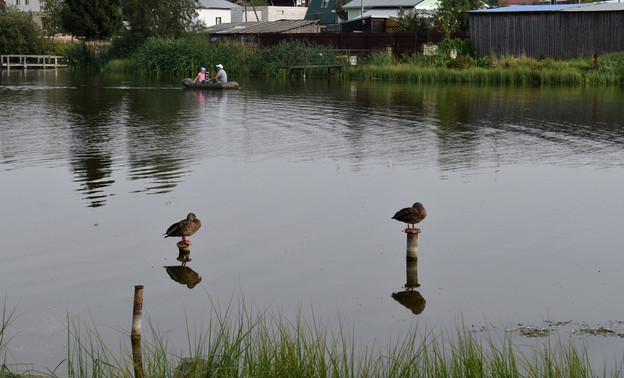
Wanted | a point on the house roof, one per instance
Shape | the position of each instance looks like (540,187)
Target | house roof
(258,27)
(598,7)
(588,7)
(382,3)
(378,13)
(217,4)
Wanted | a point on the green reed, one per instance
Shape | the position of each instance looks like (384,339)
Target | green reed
(7,317)
(184,56)
(609,69)
(242,341)
(237,340)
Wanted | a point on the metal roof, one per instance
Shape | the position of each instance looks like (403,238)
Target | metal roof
(588,7)
(378,13)
(217,4)
(599,7)
(382,3)
(259,27)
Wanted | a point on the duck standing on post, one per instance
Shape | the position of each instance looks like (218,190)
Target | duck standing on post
(185,227)
(411,215)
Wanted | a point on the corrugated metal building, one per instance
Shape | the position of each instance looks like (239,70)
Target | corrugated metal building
(548,31)
(249,31)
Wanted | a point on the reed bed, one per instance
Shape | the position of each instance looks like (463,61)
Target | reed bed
(239,341)
(496,75)
(186,55)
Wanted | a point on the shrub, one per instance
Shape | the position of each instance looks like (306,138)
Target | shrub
(86,55)
(460,63)
(380,58)
(485,62)
(19,34)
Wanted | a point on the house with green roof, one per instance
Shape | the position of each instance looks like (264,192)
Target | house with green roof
(322,10)
(357,8)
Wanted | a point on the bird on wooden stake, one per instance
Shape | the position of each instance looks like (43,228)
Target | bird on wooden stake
(411,215)
(185,227)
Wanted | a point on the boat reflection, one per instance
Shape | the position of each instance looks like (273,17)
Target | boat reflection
(409,297)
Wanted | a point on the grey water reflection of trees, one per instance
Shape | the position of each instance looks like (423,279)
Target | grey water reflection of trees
(472,123)
(160,141)
(107,121)
(94,137)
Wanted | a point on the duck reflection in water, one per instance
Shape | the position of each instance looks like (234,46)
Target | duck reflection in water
(182,273)
(409,297)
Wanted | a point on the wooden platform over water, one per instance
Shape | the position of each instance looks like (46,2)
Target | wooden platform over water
(20,61)
(312,66)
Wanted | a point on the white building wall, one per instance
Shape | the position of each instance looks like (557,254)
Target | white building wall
(209,16)
(25,5)
(269,13)
(33,6)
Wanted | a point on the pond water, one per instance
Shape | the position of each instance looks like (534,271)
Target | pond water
(295,183)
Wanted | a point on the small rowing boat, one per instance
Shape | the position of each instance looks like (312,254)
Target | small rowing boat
(188,83)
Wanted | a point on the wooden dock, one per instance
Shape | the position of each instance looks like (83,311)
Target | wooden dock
(25,62)
(312,66)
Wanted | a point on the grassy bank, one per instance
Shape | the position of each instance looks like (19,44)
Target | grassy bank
(261,343)
(608,69)
(184,57)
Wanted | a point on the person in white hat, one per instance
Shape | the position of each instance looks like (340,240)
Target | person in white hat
(221,76)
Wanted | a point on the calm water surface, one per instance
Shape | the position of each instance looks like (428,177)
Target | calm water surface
(295,183)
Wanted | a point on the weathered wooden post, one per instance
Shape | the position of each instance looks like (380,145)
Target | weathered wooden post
(412,244)
(411,273)
(135,335)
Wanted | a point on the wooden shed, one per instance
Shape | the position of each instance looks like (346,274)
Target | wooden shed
(548,31)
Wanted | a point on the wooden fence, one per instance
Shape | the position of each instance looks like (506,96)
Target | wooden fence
(403,42)
(32,61)
(399,43)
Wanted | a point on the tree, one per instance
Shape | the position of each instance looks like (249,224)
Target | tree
(92,19)
(157,18)
(414,21)
(19,34)
(52,16)
(451,15)
(340,11)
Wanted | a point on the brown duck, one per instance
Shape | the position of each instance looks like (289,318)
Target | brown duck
(411,215)
(185,227)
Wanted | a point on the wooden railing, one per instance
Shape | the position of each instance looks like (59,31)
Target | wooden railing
(32,61)
(324,58)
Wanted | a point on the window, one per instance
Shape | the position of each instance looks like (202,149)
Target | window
(218,20)
(17,2)
(324,4)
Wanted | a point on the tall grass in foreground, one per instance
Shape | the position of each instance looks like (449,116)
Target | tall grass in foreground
(246,342)
(4,339)
(256,343)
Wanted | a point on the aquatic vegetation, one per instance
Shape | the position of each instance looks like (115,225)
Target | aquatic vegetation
(239,341)
(184,56)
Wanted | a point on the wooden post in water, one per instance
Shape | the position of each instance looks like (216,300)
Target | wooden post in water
(412,244)
(411,270)
(135,335)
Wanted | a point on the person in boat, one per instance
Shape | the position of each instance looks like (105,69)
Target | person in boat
(201,76)
(221,76)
